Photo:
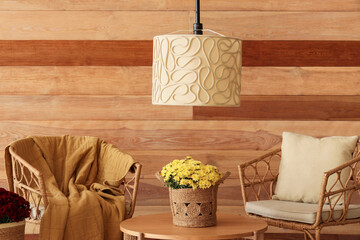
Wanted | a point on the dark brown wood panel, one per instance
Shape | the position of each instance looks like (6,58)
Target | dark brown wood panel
(301,53)
(139,53)
(75,53)
(285,108)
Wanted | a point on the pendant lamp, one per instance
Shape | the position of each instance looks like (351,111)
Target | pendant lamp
(196,69)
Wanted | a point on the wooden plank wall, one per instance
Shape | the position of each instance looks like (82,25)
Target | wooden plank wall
(84,68)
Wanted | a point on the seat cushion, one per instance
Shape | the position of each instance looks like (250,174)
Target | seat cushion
(303,162)
(297,211)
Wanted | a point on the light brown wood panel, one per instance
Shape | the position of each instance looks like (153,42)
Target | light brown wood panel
(89,25)
(141,25)
(284,25)
(3,183)
(286,108)
(152,193)
(95,80)
(180,135)
(153,135)
(153,161)
(296,5)
(87,108)
(300,81)
(3,178)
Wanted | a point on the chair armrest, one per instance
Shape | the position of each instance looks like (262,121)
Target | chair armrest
(331,195)
(131,187)
(28,183)
(259,176)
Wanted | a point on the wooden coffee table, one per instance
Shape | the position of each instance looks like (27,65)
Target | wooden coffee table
(159,226)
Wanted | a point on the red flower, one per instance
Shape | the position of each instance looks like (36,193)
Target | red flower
(13,208)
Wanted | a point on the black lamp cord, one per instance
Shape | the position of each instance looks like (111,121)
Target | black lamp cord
(198,27)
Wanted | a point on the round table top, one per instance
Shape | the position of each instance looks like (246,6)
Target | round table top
(160,226)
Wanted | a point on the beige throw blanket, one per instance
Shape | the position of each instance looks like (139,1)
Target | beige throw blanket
(82,175)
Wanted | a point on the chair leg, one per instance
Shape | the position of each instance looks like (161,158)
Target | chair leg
(308,234)
(317,234)
(258,236)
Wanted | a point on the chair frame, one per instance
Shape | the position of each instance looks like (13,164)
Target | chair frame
(265,183)
(28,182)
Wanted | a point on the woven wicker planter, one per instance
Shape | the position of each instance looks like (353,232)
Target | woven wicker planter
(194,207)
(12,231)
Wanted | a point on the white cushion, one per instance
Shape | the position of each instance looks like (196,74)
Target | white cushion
(304,160)
(297,211)
(33,211)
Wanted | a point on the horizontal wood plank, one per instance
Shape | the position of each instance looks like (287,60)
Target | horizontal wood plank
(75,53)
(286,108)
(89,25)
(3,183)
(150,135)
(228,160)
(254,5)
(52,80)
(153,161)
(180,135)
(48,107)
(300,81)
(105,80)
(301,53)
(144,25)
(153,193)
(139,53)
(284,25)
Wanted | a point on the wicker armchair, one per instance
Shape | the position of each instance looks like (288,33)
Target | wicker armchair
(28,182)
(258,180)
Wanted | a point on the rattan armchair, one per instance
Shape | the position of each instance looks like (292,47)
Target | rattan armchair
(28,182)
(258,180)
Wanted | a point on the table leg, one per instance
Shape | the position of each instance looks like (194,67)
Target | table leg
(258,235)
(130,237)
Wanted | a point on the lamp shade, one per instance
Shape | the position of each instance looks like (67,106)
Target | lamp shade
(197,70)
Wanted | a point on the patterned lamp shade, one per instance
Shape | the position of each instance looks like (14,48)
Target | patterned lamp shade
(197,70)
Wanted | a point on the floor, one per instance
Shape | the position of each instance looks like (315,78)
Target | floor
(270,236)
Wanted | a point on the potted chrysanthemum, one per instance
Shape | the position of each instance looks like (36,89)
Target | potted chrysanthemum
(13,211)
(193,191)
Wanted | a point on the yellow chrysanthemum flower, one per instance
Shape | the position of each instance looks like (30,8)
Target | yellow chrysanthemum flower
(189,173)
